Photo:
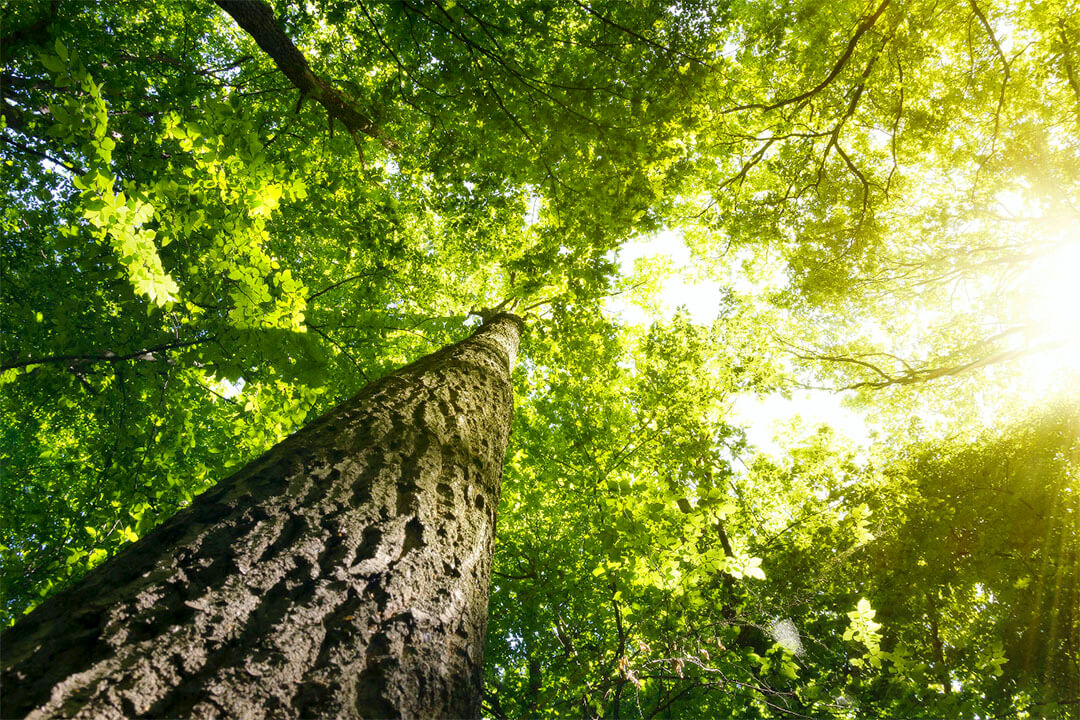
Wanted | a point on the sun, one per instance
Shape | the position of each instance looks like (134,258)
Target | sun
(1049,308)
(1053,305)
(1041,294)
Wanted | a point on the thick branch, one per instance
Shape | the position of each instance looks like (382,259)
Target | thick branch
(841,62)
(1070,71)
(257,19)
(144,354)
(937,645)
(1004,61)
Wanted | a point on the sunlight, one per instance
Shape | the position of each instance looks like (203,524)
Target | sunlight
(679,287)
(773,423)
(1051,310)
(1054,300)
(1050,285)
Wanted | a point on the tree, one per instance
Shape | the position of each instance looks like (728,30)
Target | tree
(214,230)
(343,573)
(162,222)
(632,549)
(988,610)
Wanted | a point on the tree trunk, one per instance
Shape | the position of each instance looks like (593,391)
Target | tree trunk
(343,574)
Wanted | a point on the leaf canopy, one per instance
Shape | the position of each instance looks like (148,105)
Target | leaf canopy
(198,256)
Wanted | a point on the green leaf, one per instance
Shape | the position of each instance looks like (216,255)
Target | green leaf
(753,569)
(52,63)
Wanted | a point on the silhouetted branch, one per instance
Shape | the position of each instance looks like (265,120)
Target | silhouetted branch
(864,26)
(257,19)
(146,354)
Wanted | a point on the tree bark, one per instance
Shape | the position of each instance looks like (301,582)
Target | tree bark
(343,574)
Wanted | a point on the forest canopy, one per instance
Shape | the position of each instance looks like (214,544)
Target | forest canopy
(222,219)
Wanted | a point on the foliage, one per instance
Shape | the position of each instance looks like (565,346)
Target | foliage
(195,262)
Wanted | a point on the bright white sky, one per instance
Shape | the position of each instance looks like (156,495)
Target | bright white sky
(763,417)
(701,297)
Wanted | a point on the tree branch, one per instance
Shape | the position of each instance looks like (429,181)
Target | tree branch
(652,43)
(841,62)
(144,354)
(339,283)
(913,375)
(257,19)
(1066,56)
(1004,61)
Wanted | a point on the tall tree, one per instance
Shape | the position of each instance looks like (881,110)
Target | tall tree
(163,233)
(342,574)
(196,260)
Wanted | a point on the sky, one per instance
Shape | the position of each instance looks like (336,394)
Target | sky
(763,417)
(1050,312)
(700,297)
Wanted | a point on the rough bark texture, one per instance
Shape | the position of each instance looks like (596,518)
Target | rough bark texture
(257,19)
(343,574)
